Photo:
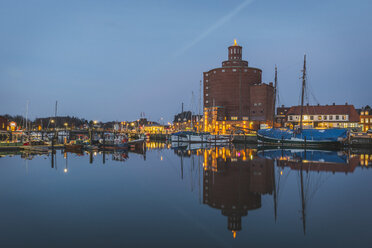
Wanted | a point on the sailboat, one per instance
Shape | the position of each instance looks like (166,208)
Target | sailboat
(300,136)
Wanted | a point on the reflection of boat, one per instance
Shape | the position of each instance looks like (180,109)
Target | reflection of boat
(312,160)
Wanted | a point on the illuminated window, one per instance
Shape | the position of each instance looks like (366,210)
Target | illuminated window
(344,117)
(234,118)
(223,70)
(234,70)
(207,101)
(361,113)
(319,117)
(206,94)
(366,113)
(206,88)
(245,118)
(206,75)
(324,117)
(367,120)
(361,120)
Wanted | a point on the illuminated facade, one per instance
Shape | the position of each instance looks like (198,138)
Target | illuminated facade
(366,119)
(324,116)
(235,97)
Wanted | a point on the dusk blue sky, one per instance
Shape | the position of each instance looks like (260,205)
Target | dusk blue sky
(112,60)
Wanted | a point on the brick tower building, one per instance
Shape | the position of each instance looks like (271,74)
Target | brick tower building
(234,95)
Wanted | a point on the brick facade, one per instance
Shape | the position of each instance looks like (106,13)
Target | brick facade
(238,90)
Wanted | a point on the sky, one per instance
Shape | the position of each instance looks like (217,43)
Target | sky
(113,60)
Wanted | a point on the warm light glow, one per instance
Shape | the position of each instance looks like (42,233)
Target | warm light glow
(65,170)
(235,44)
(234,234)
(281,173)
(161,158)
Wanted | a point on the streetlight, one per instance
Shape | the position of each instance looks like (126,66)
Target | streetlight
(66,124)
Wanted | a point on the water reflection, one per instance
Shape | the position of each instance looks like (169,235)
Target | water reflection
(233,180)
(236,178)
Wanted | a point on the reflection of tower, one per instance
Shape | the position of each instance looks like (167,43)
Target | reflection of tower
(234,183)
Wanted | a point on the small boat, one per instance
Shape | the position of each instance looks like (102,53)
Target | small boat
(116,142)
(189,136)
(219,139)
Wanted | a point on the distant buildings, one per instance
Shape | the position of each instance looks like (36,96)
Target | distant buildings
(366,118)
(324,116)
(3,123)
(235,97)
(182,121)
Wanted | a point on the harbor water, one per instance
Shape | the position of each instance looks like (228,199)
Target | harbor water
(186,196)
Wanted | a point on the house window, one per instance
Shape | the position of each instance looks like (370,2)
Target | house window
(206,94)
(234,70)
(234,118)
(207,101)
(206,87)
(366,120)
(245,118)
(245,70)
(223,70)
(206,75)
(331,117)
(311,117)
(290,117)
(344,117)
(319,117)
(324,117)
(206,81)
(337,117)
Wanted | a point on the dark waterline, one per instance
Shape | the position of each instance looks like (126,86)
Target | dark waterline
(182,198)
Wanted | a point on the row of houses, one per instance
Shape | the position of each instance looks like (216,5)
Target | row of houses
(325,116)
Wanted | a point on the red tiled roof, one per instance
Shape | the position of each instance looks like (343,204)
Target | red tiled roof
(326,110)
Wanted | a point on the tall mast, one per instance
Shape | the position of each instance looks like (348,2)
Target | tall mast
(303,90)
(275,87)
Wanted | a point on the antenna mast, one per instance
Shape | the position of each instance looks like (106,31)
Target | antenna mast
(303,90)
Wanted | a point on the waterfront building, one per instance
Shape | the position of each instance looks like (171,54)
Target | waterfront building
(182,121)
(235,97)
(281,115)
(366,118)
(323,116)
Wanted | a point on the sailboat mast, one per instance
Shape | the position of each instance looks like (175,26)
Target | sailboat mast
(303,90)
(275,87)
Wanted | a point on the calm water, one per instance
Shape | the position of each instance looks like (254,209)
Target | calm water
(166,197)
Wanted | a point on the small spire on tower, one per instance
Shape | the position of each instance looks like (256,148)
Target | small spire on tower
(235,44)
